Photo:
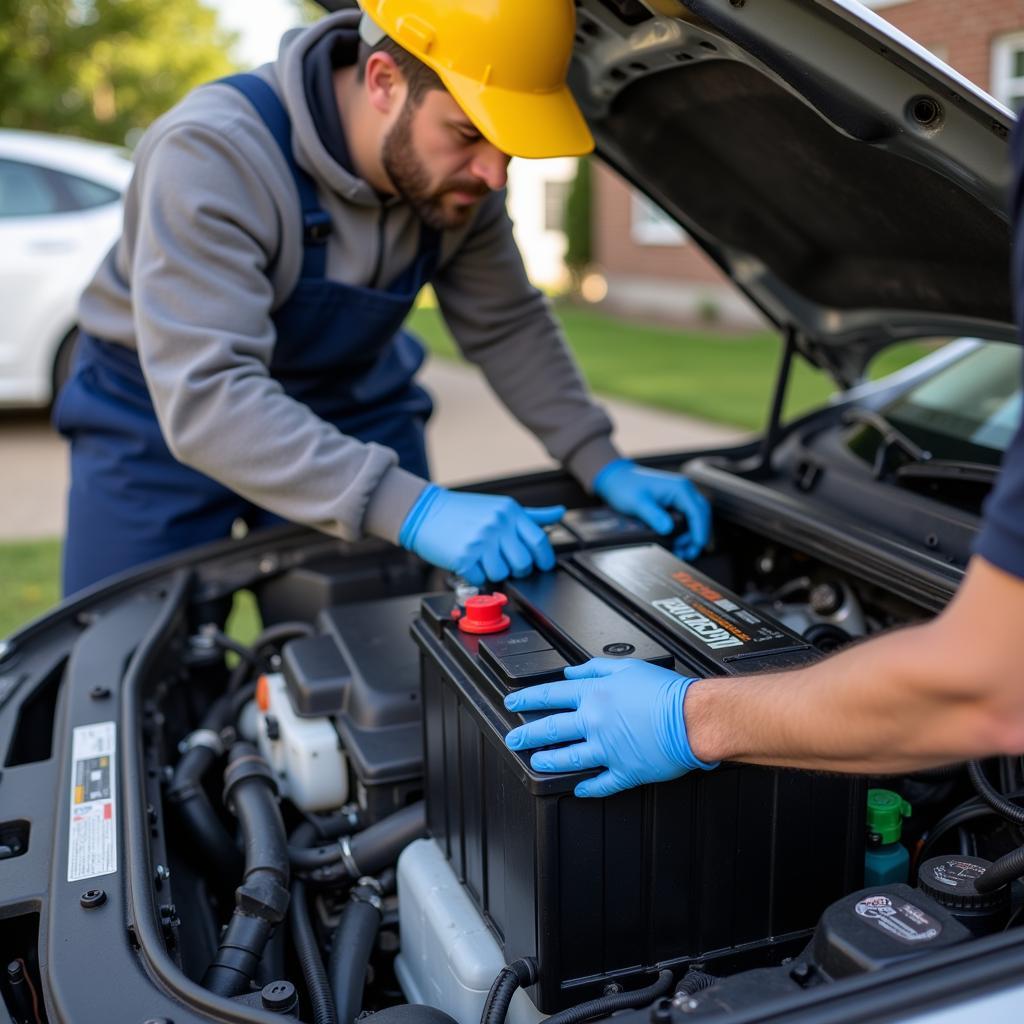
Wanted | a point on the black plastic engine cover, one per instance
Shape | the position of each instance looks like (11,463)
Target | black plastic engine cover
(363,670)
(711,866)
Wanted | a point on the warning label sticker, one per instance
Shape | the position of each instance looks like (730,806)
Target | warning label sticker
(92,836)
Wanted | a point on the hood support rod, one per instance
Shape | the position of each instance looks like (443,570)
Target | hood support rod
(774,428)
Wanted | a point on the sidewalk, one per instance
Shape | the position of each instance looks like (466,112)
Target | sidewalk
(471,437)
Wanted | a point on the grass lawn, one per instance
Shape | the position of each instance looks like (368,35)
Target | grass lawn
(727,379)
(29,581)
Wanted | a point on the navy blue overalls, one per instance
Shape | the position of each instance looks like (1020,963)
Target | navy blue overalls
(340,349)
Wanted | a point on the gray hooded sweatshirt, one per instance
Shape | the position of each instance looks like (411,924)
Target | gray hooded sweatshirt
(212,245)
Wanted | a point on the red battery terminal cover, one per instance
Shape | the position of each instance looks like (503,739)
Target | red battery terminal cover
(484,614)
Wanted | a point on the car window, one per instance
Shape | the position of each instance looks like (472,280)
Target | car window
(83,194)
(970,410)
(26,191)
(963,416)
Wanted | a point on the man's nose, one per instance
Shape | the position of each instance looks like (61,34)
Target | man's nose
(490,165)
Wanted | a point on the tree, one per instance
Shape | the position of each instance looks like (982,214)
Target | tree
(578,223)
(309,10)
(104,69)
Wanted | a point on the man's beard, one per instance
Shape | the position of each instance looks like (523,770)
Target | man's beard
(412,180)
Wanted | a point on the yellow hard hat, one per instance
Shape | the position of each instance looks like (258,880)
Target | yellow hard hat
(503,61)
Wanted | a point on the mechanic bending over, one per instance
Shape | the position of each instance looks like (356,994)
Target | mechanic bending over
(242,353)
(946,691)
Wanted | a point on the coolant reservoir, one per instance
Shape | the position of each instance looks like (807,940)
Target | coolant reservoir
(304,752)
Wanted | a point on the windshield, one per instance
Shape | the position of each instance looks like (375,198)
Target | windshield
(968,412)
(941,437)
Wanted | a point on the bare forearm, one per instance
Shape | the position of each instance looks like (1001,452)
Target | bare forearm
(922,696)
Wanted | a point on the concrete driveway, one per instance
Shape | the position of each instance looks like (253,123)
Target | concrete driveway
(471,437)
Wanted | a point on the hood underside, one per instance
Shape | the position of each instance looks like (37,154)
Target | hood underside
(852,186)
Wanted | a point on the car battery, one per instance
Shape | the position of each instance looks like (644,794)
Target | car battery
(735,863)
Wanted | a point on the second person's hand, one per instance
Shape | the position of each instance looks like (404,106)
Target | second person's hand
(479,536)
(651,495)
(626,716)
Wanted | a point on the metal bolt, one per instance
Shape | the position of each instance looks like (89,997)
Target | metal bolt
(268,564)
(99,692)
(92,898)
(612,989)
(162,873)
(151,816)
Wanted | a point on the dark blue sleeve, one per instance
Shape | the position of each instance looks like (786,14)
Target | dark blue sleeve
(1001,540)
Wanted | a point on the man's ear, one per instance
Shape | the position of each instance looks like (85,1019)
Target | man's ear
(384,82)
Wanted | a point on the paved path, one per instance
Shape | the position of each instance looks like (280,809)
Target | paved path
(471,437)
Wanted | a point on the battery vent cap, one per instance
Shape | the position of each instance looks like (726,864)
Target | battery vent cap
(484,614)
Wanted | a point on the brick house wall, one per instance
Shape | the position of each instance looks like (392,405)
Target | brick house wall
(982,39)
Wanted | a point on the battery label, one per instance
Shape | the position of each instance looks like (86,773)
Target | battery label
(704,629)
(92,836)
(709,620)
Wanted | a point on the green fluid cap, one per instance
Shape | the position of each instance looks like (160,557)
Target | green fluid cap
(886,811)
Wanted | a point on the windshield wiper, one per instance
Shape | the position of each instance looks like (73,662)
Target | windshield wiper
(892,437)
(946,469)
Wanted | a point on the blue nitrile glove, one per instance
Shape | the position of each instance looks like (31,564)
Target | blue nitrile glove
(628,715)
(479,536)
(647,493)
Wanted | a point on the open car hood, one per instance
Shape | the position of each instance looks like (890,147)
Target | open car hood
(853,186)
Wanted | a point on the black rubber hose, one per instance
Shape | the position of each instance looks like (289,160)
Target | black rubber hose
(261,901)
(255,805)
(272,636)
(307,950)
(314,857)
(354,939)
(210,844)
(1007,869)
(607,1005)
(992,796)
(227,643)
(367,852)
(694,982)
(518,974)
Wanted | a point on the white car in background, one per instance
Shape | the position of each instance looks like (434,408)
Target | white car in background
(60,212)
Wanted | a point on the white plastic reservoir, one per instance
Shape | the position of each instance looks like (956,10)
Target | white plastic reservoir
(449,958)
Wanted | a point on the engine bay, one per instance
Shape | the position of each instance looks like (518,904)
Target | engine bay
(330,825)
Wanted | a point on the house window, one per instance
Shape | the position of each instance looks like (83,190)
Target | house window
(1008,71)
(556,193)
(650,225)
